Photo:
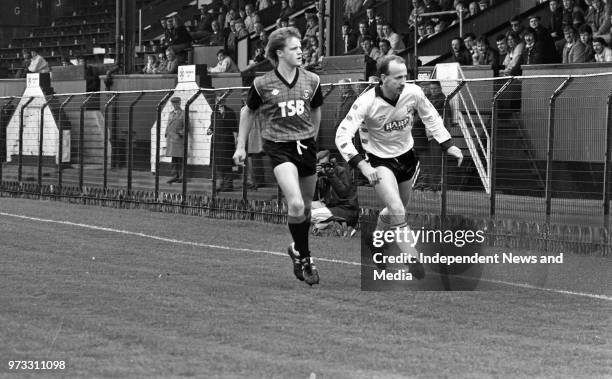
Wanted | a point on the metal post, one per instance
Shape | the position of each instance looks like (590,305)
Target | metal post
(551,144)
(81,142)
(213,154)
(160,106)
(61,142)
(186,142)
(130,154)
(40,140)
(492,147)
(20,156)
(118,31)
(105,162)
(2,110)
(606,181)
(444,184)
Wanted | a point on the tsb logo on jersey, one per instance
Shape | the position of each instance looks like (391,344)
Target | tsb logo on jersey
(291,108)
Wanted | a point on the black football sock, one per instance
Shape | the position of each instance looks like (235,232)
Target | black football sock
(299,227)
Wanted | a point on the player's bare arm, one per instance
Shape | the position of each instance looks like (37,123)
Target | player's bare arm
(247,118)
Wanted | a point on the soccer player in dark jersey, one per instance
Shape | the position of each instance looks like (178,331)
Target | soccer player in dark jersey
(289,99)
(384,116)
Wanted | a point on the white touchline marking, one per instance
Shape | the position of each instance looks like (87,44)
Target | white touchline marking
(240,249)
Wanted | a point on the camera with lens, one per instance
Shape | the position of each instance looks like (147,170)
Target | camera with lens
(327,167)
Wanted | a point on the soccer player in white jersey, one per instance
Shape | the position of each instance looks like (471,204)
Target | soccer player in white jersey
(289,99)
(384,117)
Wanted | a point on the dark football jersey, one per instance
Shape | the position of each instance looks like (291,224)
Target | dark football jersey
(286,107)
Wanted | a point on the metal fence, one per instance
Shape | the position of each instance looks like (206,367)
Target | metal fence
(544,150)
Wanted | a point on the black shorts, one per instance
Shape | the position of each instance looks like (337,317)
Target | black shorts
(281,152)
(403,166)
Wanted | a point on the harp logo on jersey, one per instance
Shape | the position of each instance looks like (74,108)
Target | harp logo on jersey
(399,124)
(275,92)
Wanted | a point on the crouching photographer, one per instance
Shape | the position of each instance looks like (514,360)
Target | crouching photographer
(335,196)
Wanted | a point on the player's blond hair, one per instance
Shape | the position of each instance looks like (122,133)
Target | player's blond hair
(278,40)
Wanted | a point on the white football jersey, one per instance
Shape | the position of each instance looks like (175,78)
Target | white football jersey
(386,128)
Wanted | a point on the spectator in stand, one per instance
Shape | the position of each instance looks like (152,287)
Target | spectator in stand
(502,50)
(206,17)
(533,52)
(567,12)
(397,44)
(258,56)
(289,10)
(162,62)
(262,4)
(263,39)
(461,10)
(249,19)
(38,64)
(421,33)
(417,8)
(597,18)
(172,63)
(371,23)
(231,15)
(282,23)
(578,20)
(151,65)
(430,6)
(440,26)
(349,39)
(164,28)
(486,55)
(369,49)
(259,27)
(469,41)
(460,54)
(241,30)
(516,26)
(586,37)
(473,8)
(574,50)
(284,11)
(555,20)
(181,39)
(483,4)
(168,33)
(430,28)
(602,52)
(363,32)
(224,63)
(314,54)
(230,39)
(512,62)
(546,44)
(312,27)
(385,48)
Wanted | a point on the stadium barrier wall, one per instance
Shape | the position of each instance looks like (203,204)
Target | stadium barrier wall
(556,192)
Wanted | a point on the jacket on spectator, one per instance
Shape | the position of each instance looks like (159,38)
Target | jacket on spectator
(463,57)
(226,65)
(574,53)
(489,58)
(38,64)
(513,60)
(533,54)
(175,134)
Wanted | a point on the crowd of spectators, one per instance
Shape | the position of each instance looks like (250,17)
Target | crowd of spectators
(571,32)
(222,23)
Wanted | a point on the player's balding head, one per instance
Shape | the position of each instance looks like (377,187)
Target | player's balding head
(385,63)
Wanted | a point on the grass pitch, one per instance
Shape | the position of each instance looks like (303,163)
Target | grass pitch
(196,297)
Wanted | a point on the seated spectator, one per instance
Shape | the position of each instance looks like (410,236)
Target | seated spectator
(249,18)
(314,52)
(460,54)
(65,61)
(597,18)
(430,6)
(151,65)
(172,63)
(461,10)
(473,8)
(486,56)
(229,16)
(290,9)
(259,27)
(349,38)
(574,50)
(262,4)
(516,26)
(162,61)
(469,41)
(379,33)
(312,27)
(532,54)
(241,30)
(371,23)
(369,49)
(38,64)
(213,38)
(417,8)
(263,39)
(567,12)
(180,40)
(586,37)
(483,4)
(421,33)
(335,195)
(578,20)
(602,52)
(225,63)
(502,50)
(385,48)
(430,28)
(363,32)
(258,56)
(440,26)
(512,63)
